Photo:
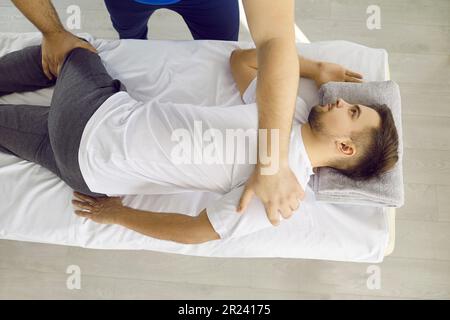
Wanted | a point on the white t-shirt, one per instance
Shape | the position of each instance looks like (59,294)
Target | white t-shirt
(131,147)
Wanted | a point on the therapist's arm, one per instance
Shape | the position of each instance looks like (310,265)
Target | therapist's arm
(271,25)
(56,42)
(160,225)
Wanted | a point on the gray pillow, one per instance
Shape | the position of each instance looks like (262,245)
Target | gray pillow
(330,185)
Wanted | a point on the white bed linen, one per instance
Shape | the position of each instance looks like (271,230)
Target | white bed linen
(35,205)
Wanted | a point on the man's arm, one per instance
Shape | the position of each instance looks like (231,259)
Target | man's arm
(169,226)
(56,42)
(165,226)
(271,25)
(244,66)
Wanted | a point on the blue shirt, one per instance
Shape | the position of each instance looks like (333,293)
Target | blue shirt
(156,2)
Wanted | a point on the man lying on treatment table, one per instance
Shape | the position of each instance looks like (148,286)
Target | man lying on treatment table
(100,140)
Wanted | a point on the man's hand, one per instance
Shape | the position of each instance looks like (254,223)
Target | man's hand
(328,71)
(55,47)
(280,193)
(100,210)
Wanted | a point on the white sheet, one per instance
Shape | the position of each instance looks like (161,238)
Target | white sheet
(35,205)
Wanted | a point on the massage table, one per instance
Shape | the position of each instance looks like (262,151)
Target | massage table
(36,206)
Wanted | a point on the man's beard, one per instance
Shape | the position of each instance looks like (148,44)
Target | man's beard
(314,120)
(320,130)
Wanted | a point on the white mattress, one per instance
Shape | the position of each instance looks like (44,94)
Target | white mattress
(35,205)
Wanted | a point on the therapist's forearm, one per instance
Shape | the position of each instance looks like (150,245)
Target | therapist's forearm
(276,93)
(42,14)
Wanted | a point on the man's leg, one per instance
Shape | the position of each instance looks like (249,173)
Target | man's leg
(21,71)
(23,128)
(130,18)
(81,88)
(24,133)
(210,20)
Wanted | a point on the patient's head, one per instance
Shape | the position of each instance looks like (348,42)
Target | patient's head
(362,140)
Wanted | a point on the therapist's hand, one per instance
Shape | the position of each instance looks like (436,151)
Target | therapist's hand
(55,47)
(280,193)
(100,210)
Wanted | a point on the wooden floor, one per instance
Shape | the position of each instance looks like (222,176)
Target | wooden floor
(416,34)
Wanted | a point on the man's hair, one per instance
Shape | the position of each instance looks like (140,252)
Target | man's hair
(378,146)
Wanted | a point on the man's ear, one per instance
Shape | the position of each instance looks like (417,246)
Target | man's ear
(346,147)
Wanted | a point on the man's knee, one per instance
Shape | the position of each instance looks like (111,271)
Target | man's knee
(80,55)
(78,59)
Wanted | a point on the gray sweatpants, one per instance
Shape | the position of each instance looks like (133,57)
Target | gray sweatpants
(51,136)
